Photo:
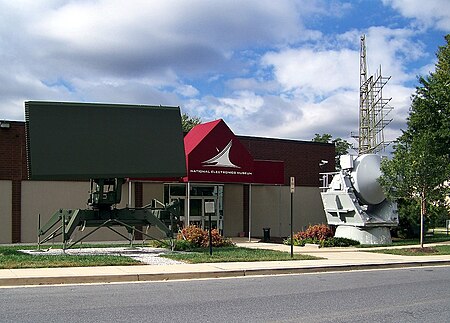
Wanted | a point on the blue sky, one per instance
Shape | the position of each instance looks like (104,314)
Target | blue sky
(285,69)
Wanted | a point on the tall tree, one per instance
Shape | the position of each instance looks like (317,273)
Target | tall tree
(420,167)
(188,122)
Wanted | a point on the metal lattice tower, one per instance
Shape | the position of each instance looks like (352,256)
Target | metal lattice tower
(373,109)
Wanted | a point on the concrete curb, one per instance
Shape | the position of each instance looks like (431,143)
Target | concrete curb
(142,277)
(331,268)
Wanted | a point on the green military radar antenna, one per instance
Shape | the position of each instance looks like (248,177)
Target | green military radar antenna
(104,143)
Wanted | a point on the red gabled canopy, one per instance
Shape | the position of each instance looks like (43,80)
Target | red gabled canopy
(215,154)
(196,135)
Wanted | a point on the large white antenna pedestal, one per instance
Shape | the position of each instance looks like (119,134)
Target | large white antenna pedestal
(354,201)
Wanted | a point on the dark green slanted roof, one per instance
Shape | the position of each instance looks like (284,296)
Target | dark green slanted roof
(77,141)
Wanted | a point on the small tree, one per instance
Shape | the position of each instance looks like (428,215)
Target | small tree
(188,122)
(415,172)
(420,167)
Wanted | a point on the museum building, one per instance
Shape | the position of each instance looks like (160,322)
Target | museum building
(241,183)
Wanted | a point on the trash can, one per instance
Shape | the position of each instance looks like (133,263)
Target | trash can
(266,232)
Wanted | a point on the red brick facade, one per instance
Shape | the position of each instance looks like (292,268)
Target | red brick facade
(301,158)
(13,167)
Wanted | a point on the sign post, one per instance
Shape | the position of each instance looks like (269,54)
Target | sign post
(292,215)
(210,209)
(210,234)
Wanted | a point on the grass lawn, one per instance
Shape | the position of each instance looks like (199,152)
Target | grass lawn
(437,237)
(11,258)
(426,251)
(235,254)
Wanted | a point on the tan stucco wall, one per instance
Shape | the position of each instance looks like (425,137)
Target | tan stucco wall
(152,191)
(47,197)
(271,209)
(5,211)
(233,210)
(266,209)
(309,203)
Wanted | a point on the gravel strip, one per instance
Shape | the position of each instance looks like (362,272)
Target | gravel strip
(148,256)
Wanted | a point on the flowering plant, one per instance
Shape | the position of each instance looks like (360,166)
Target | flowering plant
(198,237)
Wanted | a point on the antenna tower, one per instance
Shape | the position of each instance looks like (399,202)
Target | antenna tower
(373,109)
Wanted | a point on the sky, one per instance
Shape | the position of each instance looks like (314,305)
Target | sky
(282,69)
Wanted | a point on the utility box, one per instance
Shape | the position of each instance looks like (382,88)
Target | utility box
(266,234)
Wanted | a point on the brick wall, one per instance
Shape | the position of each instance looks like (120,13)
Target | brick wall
(13,164)
(13,167)
(301,158)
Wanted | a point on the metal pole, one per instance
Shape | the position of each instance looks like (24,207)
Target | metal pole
(250,213)
(210,234)
(132,237)
(422,211)
(292,225)
(130,193)
(292,189)
(171,225)
(63,228)
(188,203)
(39,231)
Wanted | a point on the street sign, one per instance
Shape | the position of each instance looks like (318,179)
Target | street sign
(209,207)
(292,184)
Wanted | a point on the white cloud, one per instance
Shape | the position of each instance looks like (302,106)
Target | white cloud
(254,63)
(430,13)
(393,49)
(273,116)
(241,104)
(318,88)
(144,37)
(109,45)
(187,91)
(309,70)
(324,82)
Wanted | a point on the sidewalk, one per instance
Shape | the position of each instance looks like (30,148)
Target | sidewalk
(337,259)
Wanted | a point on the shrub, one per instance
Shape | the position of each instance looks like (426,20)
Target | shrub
(302,242)
(218,240)
(158,243)
(297,242)
(318,232)
(339,242)
(183,245)
(197,237)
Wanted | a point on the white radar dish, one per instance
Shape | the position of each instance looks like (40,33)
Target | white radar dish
(365,176)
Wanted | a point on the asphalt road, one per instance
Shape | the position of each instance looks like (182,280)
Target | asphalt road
(402,295)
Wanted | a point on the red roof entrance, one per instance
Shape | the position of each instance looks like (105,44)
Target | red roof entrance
(214,154)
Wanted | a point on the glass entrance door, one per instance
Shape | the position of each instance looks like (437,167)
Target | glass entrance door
(204,200)
(201,210)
